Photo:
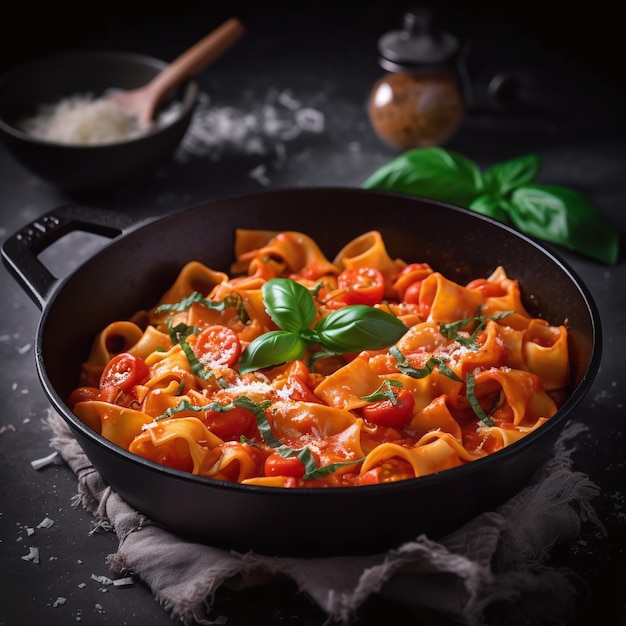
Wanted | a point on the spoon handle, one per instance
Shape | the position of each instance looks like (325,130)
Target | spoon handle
(196,58)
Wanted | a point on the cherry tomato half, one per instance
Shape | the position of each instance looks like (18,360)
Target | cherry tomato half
(232,424)
(124,371)
(487,288)
(83,394)
(218,345)
(277,465)
(412,293)
(393,470)
(363,285)
(410,274)
(387,413)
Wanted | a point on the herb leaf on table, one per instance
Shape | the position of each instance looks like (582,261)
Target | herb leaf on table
(506,192)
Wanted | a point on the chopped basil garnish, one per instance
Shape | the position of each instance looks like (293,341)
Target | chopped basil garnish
(258,410)
(312,471)
(384,392)
(451,330)
(196,366)
(406,368)
(233,300)
(180,332)
(470,384)
(183,405)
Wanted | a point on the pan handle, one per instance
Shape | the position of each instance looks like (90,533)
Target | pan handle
(20,251)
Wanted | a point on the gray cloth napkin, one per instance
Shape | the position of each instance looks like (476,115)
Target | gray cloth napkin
(497,559)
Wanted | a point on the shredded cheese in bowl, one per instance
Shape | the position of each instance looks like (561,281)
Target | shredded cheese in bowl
(83,120)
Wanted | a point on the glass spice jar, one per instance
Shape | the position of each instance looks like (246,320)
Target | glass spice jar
(419,101)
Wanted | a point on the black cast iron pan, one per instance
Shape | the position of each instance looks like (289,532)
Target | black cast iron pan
(143,258)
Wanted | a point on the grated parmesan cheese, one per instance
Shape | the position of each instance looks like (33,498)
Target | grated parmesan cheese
(103,580)
(259,130)
(46,460)
(82,120)
(46,522)
(33,555)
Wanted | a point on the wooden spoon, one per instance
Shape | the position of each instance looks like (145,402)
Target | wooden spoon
(144,102)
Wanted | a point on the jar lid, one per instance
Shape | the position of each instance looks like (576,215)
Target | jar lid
(416,45)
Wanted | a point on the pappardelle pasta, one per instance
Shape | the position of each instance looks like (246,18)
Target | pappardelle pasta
(293,370)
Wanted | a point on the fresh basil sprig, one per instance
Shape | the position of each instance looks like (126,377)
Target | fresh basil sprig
(506,192)
(292,308)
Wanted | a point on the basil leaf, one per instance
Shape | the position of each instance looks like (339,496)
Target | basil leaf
(444,370)
(196,366)
(451,330)
(272,348)
(308,460)
(289,304)
(183,304)
(258,410)
(492,205)
(565,217)
(326,470)
(432,172)
(473,400)
(384,392)
(505,192)
(406,368)
(180,332)
(232,300)
(183,405)
(505,177)
(358,327)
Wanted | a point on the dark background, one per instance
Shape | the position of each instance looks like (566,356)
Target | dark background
(585,37)
(588,33)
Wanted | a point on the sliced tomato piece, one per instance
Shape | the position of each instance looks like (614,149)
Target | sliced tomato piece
(362,285)
(232,424)
(412,293)
(124,371)
(410,274)
(371,477)
(217,345)
(115,395)
(277,465)
(393,471)
(83,394)
(388,413)
(487,288)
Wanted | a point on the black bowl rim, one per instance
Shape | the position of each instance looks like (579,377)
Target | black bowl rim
(188,97)
(555,423)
